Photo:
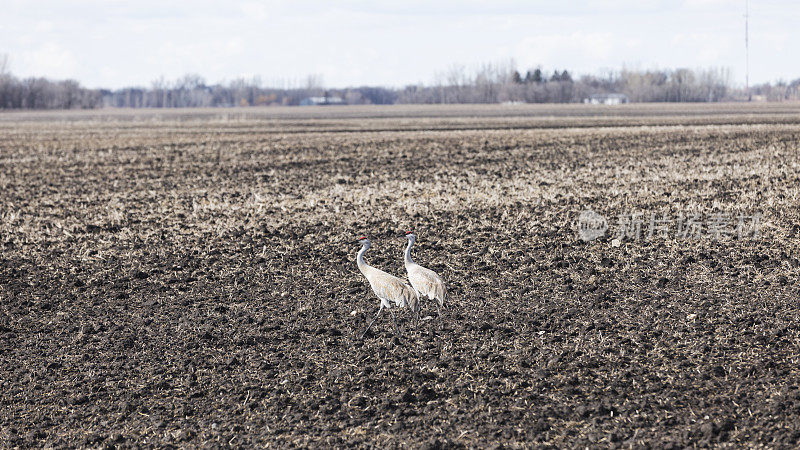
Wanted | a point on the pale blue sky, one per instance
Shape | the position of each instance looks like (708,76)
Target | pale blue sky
(116,43)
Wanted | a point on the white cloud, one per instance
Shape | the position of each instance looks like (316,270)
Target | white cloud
(43,26)
(778,41)
(704,48)
(562,51)
(113,44)
(711,4)
(255,10)
(50,59)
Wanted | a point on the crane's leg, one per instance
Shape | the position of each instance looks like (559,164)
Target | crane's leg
(394,319)
(417,308)
(373,321)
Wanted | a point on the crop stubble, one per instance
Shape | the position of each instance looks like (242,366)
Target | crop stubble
(188,277)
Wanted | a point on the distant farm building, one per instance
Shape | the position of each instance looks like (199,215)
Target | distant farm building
(314,101)
(606,99)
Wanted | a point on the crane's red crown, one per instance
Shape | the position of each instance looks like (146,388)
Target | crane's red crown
(408,232)
(362,238)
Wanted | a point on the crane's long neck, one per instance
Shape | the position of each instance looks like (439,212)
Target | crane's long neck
(362,266)
(408,259)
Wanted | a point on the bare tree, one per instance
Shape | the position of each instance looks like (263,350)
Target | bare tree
(485,83)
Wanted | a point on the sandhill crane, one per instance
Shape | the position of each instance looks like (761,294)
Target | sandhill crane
(424,281)
(388,288)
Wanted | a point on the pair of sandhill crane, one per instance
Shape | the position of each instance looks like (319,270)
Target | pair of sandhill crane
(395,292)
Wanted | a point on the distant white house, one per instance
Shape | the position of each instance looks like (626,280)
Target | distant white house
(313,101)
(606,99)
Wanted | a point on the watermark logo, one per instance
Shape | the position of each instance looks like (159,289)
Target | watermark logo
(591,225)
(639,225)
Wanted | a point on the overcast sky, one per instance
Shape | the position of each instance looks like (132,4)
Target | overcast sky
(124,43)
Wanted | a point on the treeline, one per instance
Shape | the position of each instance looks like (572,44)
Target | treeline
(192,91)
(489,83)
(499,83)
(776,92)
(496,83)
(41,93)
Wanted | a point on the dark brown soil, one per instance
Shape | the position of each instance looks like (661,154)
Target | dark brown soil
(190,279)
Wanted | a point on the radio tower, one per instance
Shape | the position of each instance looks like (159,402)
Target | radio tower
(747,48)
